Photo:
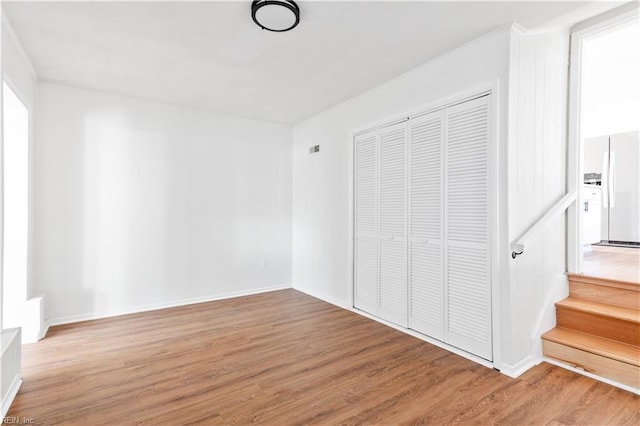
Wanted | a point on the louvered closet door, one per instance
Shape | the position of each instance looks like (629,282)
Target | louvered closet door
(467,277)
(366,222)
(392,227)
(426,286)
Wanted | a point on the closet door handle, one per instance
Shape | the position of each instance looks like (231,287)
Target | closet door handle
(586,206)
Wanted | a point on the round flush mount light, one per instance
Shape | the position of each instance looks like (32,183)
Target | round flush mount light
(275,15)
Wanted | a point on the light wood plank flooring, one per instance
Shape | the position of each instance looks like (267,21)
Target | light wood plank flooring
(286,358)
(619,263)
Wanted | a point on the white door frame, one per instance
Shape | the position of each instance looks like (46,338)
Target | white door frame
(575,144)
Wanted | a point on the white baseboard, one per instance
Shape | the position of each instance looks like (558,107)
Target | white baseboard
(44,330)
(515,370)
(10,396)
(593,376)
(344,305)
(162,305)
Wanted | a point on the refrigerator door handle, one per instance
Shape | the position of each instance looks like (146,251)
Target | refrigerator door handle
(605,180)
(612,179)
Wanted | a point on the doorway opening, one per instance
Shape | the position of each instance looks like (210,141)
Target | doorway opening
(16,208)
(608,129)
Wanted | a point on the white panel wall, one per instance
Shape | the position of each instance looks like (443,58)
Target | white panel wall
(537,159)
(141,204)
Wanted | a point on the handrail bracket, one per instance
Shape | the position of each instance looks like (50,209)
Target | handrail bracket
(532,233)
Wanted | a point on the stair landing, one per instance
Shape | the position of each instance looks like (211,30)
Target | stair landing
(616,263)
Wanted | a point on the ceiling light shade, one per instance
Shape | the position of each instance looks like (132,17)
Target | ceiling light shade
(275,15)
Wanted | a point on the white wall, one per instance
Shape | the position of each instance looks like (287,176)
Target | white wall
(537,180)
(322,202)
(531,175)
(19,74)
(141,204)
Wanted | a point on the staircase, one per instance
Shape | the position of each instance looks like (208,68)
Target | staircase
(598,329)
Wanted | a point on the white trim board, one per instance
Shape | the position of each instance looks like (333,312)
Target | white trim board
(608,16)
(516,370)
(10,396)
(43,331)
(162,305)
(461,96)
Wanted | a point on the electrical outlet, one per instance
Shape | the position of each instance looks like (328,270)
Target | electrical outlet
(314,149)
(264,263)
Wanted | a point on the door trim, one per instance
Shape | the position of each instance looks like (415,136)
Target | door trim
(575,148)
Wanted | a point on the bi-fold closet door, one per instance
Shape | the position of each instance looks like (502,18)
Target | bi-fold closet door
(380,247)
(393,223)
(422,225)
(426,236)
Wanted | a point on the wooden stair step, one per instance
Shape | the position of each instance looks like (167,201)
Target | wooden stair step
(598,345)
(603,357)
(604,290)
(619,296)
(603,320)
(604,309)
(606,282)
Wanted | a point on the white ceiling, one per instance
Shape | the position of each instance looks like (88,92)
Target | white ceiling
(210,55)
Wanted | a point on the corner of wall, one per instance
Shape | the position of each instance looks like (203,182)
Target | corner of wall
(10,34)
(517,369)
(329,299)
(34,324)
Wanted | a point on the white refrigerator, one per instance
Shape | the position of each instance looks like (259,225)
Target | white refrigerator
(617,158)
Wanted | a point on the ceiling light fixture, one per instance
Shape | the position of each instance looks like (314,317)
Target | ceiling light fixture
(275,15)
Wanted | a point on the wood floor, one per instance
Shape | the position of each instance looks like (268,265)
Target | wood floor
(286,358)
(619,263)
